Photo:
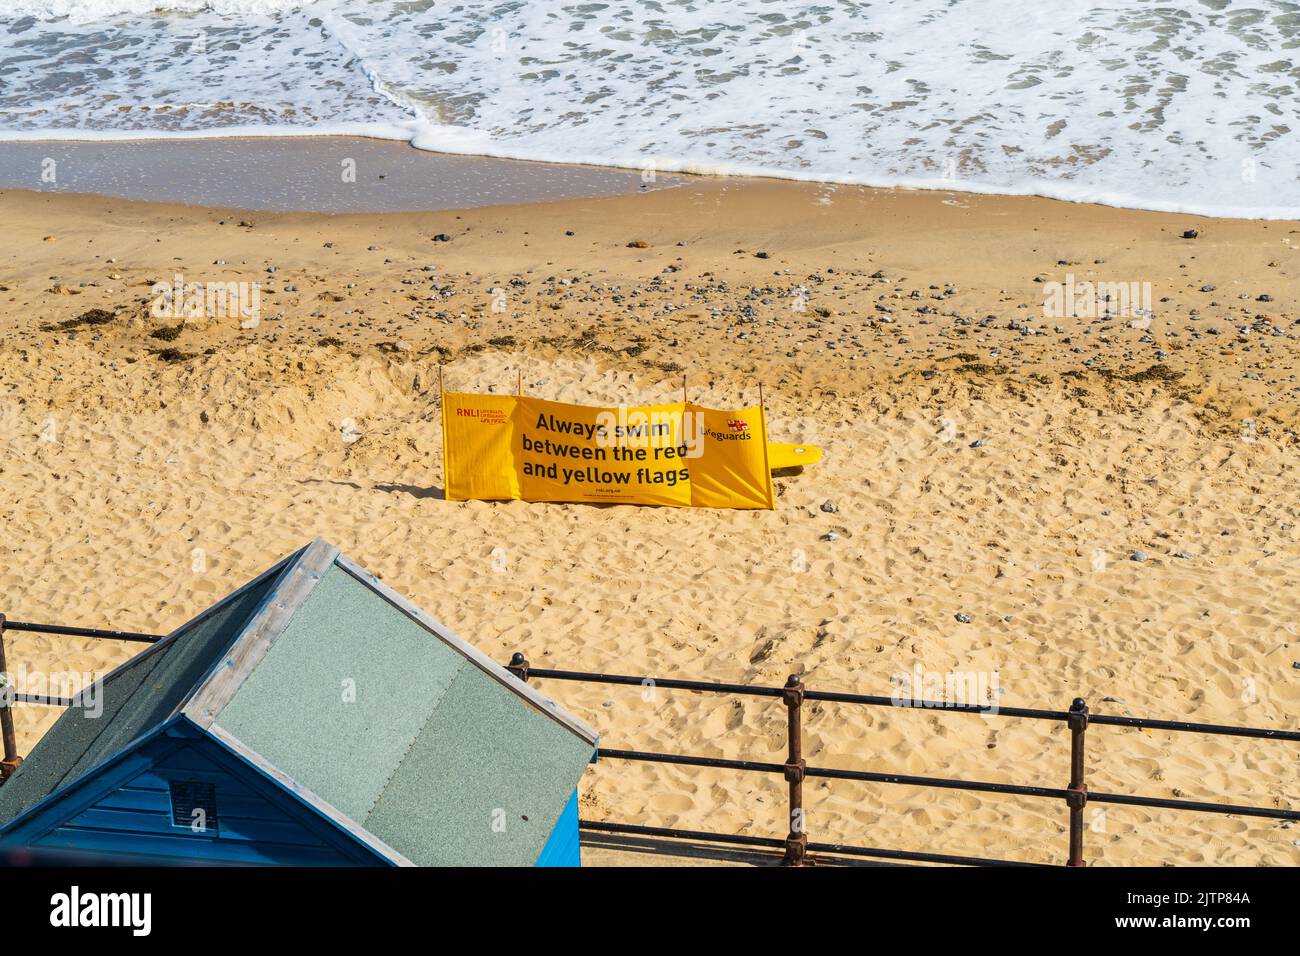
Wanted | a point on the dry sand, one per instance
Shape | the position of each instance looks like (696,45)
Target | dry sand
(132,442)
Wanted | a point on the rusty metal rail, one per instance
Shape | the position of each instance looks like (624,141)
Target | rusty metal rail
(795,770)
(9,696)
(81,631)
(11,760)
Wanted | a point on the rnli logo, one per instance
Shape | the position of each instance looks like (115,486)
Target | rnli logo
(738,425)
(488,416)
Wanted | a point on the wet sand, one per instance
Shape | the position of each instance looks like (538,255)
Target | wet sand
(308,173)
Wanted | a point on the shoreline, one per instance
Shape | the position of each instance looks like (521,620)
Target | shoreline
(601,171)
(331,175)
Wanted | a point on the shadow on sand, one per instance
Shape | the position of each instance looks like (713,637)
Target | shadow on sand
(663,851)
(415,491)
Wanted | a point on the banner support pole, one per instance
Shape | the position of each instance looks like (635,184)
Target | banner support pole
(767,468)
(442,412)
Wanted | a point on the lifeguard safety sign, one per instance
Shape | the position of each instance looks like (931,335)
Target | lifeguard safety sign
(507,446)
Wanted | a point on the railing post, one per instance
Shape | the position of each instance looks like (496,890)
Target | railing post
(7,694)
(1078,790)
(796,843)
(518,666)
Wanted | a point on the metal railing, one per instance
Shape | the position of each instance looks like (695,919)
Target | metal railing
(9,763)
(795,769)
(795,845)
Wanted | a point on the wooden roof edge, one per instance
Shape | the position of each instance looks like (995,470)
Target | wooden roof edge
(304,572)
(293,787)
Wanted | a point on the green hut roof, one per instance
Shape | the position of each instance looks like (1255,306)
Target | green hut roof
(130,702)
(335,686)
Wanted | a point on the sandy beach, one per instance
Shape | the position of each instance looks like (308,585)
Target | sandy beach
(1091,506)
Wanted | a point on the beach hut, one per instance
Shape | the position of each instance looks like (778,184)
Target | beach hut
(314,716)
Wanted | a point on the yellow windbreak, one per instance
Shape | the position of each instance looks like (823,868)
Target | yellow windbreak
(498,446)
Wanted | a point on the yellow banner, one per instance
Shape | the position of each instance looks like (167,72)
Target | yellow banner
(504,446)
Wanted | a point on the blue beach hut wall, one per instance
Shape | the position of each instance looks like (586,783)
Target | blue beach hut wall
(313,717)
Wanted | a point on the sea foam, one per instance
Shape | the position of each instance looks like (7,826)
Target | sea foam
(1184,106)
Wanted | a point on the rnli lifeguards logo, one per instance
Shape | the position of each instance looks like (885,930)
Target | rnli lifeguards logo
(487,416)
(738,425)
